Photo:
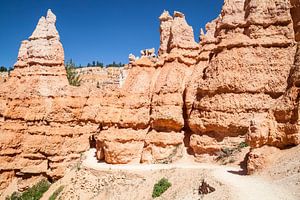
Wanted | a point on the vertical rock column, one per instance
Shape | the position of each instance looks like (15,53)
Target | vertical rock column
(178,52)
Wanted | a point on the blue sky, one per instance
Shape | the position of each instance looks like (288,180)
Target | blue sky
(104,30)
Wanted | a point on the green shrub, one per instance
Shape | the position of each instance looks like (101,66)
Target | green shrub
(243,145)
(56,193)
(73,77)
(33,193)
(160,187)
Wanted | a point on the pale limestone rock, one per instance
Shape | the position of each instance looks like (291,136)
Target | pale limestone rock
(45,28)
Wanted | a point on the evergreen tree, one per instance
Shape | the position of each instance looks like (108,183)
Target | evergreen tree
(3,69)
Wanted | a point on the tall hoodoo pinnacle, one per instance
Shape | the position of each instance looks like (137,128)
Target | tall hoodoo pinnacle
(45,28)
(43,49)
(177,38)
(181,33)
(166,21)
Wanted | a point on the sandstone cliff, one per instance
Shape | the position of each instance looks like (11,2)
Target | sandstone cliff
(244,66)
(38,110)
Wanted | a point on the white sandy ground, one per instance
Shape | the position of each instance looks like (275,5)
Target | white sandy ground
(185,174)
(241,187)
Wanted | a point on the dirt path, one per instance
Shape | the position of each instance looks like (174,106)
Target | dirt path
(239,186)
(250,187)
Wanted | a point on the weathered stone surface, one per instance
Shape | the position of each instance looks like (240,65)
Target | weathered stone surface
(259,159)
(244,66)
(38,108)
(4,77)
(121,146)
(177,39)
(296,18)
(162,147)
(101,78)
(166,21)
(204,145)
(280,127)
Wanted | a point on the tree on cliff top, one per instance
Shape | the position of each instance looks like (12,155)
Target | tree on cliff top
(3,69)
(73,77)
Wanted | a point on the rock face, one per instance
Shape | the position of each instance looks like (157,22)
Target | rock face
(3,77)
(295,6)
(245,62)
(37,111)
(104,78)
(241,81)
(152,101)
(43,54)
(259,159)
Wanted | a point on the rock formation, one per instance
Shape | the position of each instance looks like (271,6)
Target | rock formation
(3,77)
(248,55)
(37,111)
(102,78)
(151,120)
(241,81)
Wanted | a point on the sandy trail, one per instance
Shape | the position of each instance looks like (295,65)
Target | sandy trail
(251,187)
(240,187)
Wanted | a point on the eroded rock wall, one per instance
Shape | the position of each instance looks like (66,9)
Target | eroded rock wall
(251,54)
(41,131)
(152,99)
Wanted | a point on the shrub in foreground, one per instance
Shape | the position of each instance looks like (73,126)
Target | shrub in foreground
(33,193)
(160,187)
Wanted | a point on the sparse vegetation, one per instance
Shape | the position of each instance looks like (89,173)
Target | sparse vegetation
(3,69)
(56,193)
(102,65)
(114,64)
(73,77)
(95,64)
(33,193)
(226,155)
(243,145)
(160,187)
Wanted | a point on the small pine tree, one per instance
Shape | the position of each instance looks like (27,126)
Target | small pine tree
(73,77)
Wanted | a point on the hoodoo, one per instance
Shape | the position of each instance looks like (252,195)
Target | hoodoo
(240,83)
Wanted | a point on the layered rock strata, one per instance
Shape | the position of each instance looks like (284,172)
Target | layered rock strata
(244,65)
(103,78)
(152,119)
(240,81)
(39,111)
